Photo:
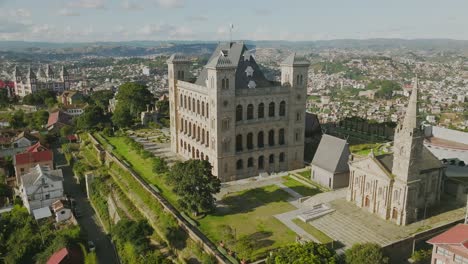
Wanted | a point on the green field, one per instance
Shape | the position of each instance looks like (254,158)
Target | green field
(251,213)
(299,187)
(319,235)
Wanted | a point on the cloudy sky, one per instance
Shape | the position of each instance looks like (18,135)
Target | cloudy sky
(120,20)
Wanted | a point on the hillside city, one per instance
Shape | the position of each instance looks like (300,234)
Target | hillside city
(230,149)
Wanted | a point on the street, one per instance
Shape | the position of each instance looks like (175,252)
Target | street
(88,221)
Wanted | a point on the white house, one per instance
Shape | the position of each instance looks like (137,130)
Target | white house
(41,187)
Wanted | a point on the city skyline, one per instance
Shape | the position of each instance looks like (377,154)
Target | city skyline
(123,20)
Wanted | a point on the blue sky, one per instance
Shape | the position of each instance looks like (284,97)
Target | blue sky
(120,20)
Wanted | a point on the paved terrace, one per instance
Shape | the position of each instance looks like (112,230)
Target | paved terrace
(350,224)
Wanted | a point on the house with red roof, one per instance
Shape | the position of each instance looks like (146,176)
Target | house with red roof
(57,120)
(23,162)
(38,147)
(451,247)
(66,256)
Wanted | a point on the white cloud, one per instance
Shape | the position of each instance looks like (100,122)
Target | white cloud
(131,5)
(170,3)
(90,4)
(21,12)
(163,30)
(68,12)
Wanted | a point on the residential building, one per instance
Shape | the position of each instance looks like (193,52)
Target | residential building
(61,211)
(45,78)
(41,187)
(57,120)
(24,139)
(398,186)
(231,115)
(451,247)
(330,164)
(24,162)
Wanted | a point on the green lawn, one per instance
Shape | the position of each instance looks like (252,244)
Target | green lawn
(144,167)
(319,235)
(251,213)
(305,174)
(299,187)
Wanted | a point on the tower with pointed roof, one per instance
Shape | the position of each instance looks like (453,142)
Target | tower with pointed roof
(236,118)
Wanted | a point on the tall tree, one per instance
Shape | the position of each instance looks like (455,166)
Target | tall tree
(135,96)
(193,182)
(310,252)
(122,116)
(365,253)
(92,116)
(101,98)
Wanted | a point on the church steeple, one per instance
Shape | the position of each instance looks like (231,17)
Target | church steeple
(411,120)
(408,141)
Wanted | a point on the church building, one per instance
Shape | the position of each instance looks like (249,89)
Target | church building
(399,186)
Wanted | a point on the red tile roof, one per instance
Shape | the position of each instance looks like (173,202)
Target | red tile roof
(38,147)
(455,235)
(58,256)
(33,157)
(58,117)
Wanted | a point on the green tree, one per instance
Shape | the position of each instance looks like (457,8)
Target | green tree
(194,183)
(133,232)
(4,100)
(122,117)
(365,253)
(135,97)
(163,107)
(160,165)
(311,253)
(17,120)
(40,119)
(66,130)
(101,98)
(91,118)
(245,247)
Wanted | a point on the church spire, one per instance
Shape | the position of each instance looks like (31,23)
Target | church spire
(411,120)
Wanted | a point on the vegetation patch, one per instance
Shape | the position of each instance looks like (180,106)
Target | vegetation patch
(319,235)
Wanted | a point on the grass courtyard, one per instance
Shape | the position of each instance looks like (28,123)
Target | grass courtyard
(299,187)
(251,213)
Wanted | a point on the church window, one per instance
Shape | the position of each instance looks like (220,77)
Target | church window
(226,124)
(271,159)
(203,108)
(239,142)
(271,137)
(297,79)
(260,139)
(281,157)
(249,141)
(281,136)
(271,109)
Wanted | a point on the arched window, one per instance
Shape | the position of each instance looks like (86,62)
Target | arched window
(281,157)
(239,113)
(223,84)
(249,141)
(203,136)
(261,161)
(194,131)
(181,100)
(271,159)
(207,139)
(185,101)
(185,127)
(207,111)
(198,106)
(297,79)
(193,104)
(271,109)
(271,137)
(227,83)
(239,142)
(302,81)
(203,108)
(261,110)
(250,163)
(189,104)
(281,136)
(260,139)
(282,110)
(181,124)
(250,110)
(190,129)
(239,164)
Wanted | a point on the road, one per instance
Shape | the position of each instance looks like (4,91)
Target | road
(88,222)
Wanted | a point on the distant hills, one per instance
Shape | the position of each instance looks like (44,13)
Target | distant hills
(142,48)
